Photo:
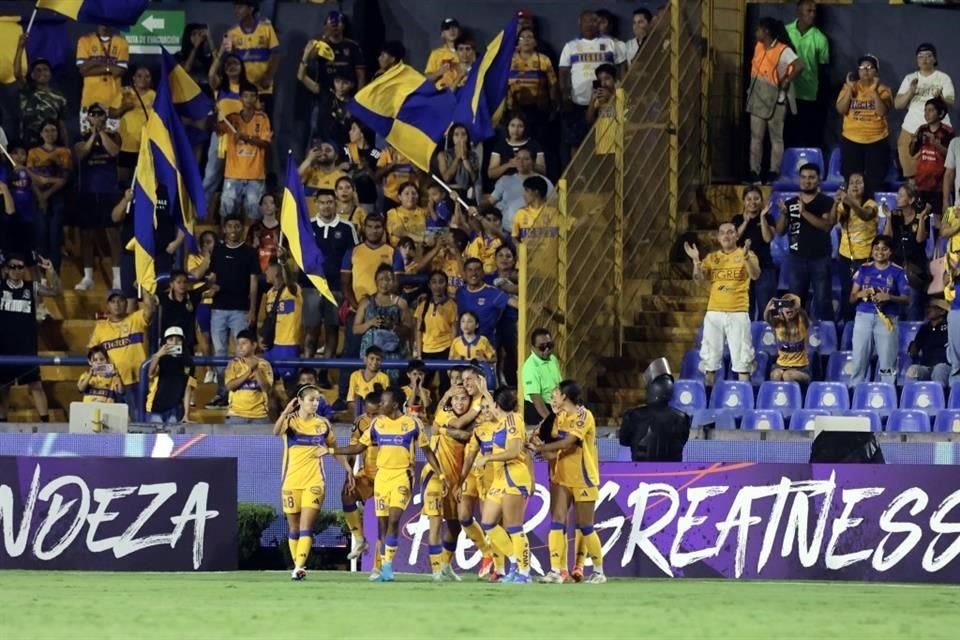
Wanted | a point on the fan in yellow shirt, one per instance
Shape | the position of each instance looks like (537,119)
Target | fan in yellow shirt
(281,318)
(249,379)
(536,218)
(124,337)
(409,220)
(102,59)
(367,379)
(484,245)
(436,320)
(469,345)
(791,327)
(101,382)
(443,61)
(394,170)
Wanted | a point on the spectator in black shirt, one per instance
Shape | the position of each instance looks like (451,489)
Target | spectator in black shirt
(807,220)
(757,225)
(178,308)
(909,226)
(929,348)
(234,269)
(168,401)
(347,55)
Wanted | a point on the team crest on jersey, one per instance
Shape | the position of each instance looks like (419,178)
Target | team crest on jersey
(316,491)
(337,235)
(889,281)
(402,490)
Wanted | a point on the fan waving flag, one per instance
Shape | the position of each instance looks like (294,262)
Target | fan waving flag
(485,90)
(189,100)
(407,110)
(295,226)
(115,13)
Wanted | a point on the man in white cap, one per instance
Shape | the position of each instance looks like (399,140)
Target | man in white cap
(171,381)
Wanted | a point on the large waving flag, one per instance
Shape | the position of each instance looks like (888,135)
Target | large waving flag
(188,99)
(295,225)
(49,40)
(407,110)
(116,13)
(485,90)
(10,31)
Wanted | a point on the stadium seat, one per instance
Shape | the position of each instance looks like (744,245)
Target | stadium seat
(719,419)
(904,362)
(831,396)
(846,340)
(907,421)
(762,421)
(689,396)
(793,159)
(733,396)
(823,337)
(876,424)
(908,331)
(763,337)
(803,419)
(784,397)
(690,366)
(948,421)
(875,396)
(834,177)
(953,400)
(923,396)
(840,367)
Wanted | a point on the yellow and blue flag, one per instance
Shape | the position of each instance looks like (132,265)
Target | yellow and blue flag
(409,111)
(115,13)
(295,226)
(484,92)
(10,31)
(189,100)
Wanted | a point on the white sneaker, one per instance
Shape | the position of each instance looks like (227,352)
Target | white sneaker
(298,574)
(449,574)
(210,377)
(553,577)
(358,550)
(374,576)
(596,577)
(84,285)
(438,576)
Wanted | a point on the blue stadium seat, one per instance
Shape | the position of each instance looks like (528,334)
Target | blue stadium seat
(923,396)
(690,366)
(733,396)
(953,400)
(763,337)
(840,366)
(875,396)
(762,421)
(719,419)
(948,421)
(784,397)
(834,177)
(908,421)
(759,374)
(776,197)
(793,159)
(904,362)
(688,396)
(803,419)
(876,424)
(823,337)
(831,396)
(908,331)
(846,340)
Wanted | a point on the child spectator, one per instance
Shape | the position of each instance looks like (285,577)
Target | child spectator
(791,327)
(171,381)
(442,62)
(249,380)
(364,381)
(124,336)
(466,57)
(409,220)
(929,150)
(136,104)
(418,395)
(248,139)
(469,345)
(100,383)
(535,218)
(602,110)
(439,207)
(307,377)
(282,313)
(51,164)
(393,172)
(488,237)
(329,118)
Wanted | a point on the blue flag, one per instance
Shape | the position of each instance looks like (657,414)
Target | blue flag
(485,90)
(295,226)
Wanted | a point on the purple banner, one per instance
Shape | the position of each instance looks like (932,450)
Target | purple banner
(749,520)
(118,514)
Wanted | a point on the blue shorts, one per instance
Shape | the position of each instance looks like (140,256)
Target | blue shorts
(203,317)
(281,352)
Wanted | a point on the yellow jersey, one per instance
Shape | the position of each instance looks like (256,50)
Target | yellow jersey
(363,263)
(301,442)
(125,342)
(316,178)
(531,82)
(542,222)
(863,123)
(580,466)
(791,343)
(58,162)
(403,173)
(484,249)
(449,452)
(106,389)
(102,89)
(228,100)
(516,472)
(248,400)
(856,234)
(246,161)
(360,386)
(133,121)
(255,48)
(397,439)
(369,458)
(482,442)
(356,217)
(436,324)
(289,316)
(406,222)
(477,349)
(729,281)
(445,59)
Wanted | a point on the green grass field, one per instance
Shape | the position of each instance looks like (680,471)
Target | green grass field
(338,605)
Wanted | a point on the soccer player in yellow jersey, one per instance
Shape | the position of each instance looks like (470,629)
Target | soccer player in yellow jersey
(575,481)
(729,272)
(397,435)
(306,437)
(364,478)
(101,383)
(511,485)
(363,382)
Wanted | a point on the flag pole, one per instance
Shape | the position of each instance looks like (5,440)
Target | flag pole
(33,17)
(6,154)
(453,194)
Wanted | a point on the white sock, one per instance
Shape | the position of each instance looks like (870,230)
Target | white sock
(116,275)
(88,273)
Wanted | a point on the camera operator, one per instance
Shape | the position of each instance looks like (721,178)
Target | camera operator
(791,326)
(656,431)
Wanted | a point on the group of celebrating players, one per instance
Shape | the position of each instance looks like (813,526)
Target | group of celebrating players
(479,459)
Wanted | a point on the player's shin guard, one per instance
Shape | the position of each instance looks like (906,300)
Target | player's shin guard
(449,549)
(435,551)
(303,548)
(473,531)
(500,542)
(292,540)
(521,549)
(593,548)
(557,543)
(354,519)
(579,553)
(389,549)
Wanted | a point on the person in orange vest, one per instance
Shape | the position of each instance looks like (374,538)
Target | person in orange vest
(775,66)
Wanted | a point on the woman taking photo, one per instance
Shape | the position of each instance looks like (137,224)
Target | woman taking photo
(909,229)
(502,160)
(857,216)
(382,320)
(757,225)
(864,104)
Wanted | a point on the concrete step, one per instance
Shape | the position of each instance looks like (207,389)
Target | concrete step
(30,415)
(643,352)
(672,303)
(663,334)
(71,336)
(59,395)
(681,287)
(681,319)
(77,305)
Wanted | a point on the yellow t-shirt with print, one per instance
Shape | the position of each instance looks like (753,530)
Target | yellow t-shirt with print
(436,325)
(125,342)
(397,439)
(484,249)
(856,234)
(863,123)
(102,89)
(477,349)
(729,281)
(792,343)
(106,389)
(359,386)
(248,400)
(255,48)
(406,222)
(289,316)
(133,121)
(445,59)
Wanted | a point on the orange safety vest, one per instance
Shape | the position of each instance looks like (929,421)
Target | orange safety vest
(765,62)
